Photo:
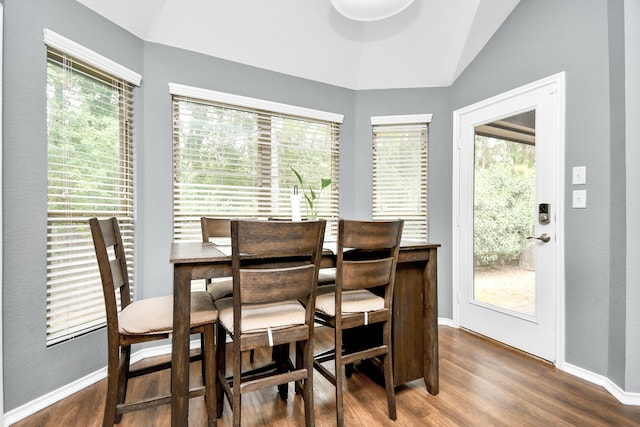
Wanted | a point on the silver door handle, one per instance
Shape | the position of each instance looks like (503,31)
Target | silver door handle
(543,237)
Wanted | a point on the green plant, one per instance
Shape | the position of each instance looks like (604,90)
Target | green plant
(311,197)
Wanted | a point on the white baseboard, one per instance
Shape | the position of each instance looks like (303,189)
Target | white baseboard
(443,321)
(49,399)
(624,397)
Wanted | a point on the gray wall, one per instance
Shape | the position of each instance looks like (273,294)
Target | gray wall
(540,38)
(30,368)
(632,125)
(617,238)
(586,40)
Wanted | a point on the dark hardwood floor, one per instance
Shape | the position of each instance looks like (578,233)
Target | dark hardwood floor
(482,383)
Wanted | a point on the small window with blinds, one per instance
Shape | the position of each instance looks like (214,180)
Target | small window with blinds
(89,174)
(400,172)
(235,161)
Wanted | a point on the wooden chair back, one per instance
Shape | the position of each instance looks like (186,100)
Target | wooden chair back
(214,227)
(367,256)
(112,264)
(275,260)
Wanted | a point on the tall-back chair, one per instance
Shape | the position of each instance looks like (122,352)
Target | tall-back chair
(275,270)
(365,273)
(141,321)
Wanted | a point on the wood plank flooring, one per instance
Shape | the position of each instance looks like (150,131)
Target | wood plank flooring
(482,383)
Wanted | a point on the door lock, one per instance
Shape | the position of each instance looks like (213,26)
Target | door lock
(544,237)
(544,213)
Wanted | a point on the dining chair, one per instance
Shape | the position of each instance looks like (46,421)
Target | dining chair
(219,287)
(366,258)
(275,268)
(212,228)
(143,321)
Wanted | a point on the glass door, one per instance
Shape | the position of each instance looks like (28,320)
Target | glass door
(503,214)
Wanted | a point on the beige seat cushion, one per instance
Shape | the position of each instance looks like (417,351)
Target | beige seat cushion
(155,315)
(326,276)
(358,301)
(259,317)
(220,288)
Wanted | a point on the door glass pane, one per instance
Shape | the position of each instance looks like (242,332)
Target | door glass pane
(504,214)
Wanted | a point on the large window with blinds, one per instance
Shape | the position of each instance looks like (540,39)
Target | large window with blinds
(234,158)
(400,172)
(89,174)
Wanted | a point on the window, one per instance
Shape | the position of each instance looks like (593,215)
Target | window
(232,157)
(400,172)
(89,174)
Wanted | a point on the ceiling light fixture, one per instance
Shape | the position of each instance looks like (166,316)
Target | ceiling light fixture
(370,10)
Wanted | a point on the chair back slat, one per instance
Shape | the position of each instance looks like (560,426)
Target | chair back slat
(108,233)
(214,227)
(366,274)
(119,277)
(276,284)
(370,235)
(285,238)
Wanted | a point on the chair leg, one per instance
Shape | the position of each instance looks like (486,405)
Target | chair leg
(388,371)
(300,363)
(113,375)
(236,399)
(339,379)
(221,364)
(123,377)
(309,414)
(348,370)
(210,373)
(203,343)
(388,384)
(281,356)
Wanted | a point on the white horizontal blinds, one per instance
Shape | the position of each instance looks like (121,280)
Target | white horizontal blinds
(234,161)
(89,174)
(400,176)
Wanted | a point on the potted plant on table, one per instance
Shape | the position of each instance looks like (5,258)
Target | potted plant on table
(311,197)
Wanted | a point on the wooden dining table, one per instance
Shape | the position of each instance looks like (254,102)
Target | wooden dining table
(415,317)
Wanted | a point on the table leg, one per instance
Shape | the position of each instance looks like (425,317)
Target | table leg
(430,318)
(180,346)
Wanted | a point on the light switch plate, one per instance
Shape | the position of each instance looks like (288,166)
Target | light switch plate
(579,199)
(579,175)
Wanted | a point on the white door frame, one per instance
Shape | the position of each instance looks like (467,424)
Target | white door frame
(556,84)
(1,220)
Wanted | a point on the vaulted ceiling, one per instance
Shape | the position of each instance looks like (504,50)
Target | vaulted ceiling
(429,44)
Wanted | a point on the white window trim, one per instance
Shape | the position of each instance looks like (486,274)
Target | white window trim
(63,44)
(401,119)
(1,209)
(244,101)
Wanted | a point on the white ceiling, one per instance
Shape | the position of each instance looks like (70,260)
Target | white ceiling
(429,44)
